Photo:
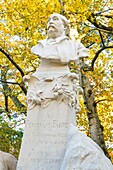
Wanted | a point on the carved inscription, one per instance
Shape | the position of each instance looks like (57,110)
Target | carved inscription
(54,124)
(45,142)
(42,160)
(49,135)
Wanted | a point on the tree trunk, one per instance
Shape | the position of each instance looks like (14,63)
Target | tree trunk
(95,127)
(8,92)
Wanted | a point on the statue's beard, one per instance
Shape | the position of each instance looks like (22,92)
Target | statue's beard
(51,27)
(53,31)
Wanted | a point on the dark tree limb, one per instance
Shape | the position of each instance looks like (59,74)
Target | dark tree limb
(99,25)
(101,12)
(8,82)
(6,100)
(12,61)
(9,92)
(62,3)
(6,106)
(102,100)
(22,86)
(62,6)
(101,38)
(6,103)
(19,84)
(106,16)
(88,46)
(97,54)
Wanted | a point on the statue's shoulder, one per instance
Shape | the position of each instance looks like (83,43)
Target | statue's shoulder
(42,42)
(72,42)
(39,47)
(77,44)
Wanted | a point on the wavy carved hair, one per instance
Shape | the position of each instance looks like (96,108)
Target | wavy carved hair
(65,21)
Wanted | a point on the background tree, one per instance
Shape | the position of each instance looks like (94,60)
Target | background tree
(10,139)
(23,23)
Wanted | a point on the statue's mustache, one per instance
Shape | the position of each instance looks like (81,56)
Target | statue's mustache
(51,25)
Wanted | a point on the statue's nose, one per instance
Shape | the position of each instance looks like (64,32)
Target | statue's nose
(51,21)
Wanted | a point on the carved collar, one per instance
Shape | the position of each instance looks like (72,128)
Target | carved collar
(53,41)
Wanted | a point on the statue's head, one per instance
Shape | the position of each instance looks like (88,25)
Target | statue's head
(58,25)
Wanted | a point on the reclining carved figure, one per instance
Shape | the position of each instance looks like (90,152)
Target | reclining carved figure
(7,161)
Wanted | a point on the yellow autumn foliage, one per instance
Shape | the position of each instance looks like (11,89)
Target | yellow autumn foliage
(23,23)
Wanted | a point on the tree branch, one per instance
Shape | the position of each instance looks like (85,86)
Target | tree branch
(9,92)
(102,100)
(19,84)
(101,38)
(6,106)
(99,25)
(23,87)
(8,82)
(88,46)
(97,54)
(62,7)
(20,70)
(107,16)
(12,61)
(6,103)
(101,12)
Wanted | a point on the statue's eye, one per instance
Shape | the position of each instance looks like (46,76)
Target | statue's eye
(49,19)
(55,18)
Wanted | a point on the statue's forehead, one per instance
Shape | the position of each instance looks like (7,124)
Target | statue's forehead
(55,15)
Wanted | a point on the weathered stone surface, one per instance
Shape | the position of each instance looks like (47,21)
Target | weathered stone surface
(7,161)
(45,136)
(49,143)
(83,154)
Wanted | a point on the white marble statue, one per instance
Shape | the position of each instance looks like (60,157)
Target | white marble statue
(7,161)
(52,99)
(56,52)
(58,46)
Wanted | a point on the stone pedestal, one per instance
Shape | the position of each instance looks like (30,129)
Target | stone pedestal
(45,138)
(51,141)
(50,111)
